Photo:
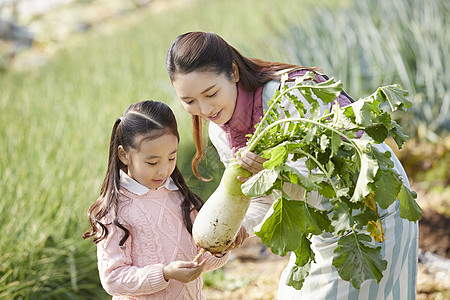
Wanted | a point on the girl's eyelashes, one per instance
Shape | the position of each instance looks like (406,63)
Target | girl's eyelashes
(155,163)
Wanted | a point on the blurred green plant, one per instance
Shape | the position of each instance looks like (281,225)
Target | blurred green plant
(219,279)
(367,43)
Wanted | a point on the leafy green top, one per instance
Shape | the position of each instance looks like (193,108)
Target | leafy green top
(349,171)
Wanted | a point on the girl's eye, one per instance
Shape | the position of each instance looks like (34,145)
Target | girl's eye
(172,159)
(212,95)
(189,102)
(152,164)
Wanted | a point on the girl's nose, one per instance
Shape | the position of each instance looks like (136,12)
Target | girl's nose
(162,170)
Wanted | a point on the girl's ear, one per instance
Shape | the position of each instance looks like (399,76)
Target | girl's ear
(122,155)
(235,71)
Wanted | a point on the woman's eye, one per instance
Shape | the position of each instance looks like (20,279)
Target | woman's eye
(189,102)
(172,159)
(212,95)
(152,164)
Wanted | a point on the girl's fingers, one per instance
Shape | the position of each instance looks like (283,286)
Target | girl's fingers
(202,264)
(187,264)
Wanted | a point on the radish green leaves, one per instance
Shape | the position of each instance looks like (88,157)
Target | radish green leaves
(345,166)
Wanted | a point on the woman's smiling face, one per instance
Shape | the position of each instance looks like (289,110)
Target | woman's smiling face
(207,94)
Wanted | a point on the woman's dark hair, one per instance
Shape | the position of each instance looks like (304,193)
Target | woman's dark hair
(148,120)
(206,51)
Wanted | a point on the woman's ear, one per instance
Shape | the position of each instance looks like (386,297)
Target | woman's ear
(122,155)
(235,71)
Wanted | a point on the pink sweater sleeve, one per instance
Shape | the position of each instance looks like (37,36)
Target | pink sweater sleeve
(212,262)
(117,274)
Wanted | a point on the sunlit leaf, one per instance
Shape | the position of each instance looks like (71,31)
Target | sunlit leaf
(342,220)
(298,178)
(367,172)
(395,96)
(363,113)
(378,132)
(278,155)
(375,228)
(409,209)
(387,187)
(327,91)
(304,253)
(324,142)
(397,134)
(259,183)
(356,260)
(297,275)
(290,220)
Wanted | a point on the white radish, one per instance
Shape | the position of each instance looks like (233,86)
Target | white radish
(220,218)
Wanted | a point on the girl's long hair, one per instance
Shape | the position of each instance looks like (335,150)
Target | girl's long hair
(150,120)
(206,51)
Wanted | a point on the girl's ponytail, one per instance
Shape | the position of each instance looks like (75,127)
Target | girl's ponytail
(191,200)
(108,201)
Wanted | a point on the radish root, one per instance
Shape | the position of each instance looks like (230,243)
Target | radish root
(199,254)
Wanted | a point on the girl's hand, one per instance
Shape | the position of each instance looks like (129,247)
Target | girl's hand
(251,162)
(183,271)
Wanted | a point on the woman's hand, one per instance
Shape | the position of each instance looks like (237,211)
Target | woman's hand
(241,236)
(183,271)
(251,162)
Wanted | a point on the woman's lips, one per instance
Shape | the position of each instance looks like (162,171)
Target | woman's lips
(216,116)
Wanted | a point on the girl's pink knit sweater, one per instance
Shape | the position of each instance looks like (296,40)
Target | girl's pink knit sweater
(158,236)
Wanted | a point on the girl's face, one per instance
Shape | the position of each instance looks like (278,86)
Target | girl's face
(207,94)
(153,162)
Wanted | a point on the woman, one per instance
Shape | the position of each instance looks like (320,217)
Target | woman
(216,83)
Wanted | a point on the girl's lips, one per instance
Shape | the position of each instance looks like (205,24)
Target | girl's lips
(216,116)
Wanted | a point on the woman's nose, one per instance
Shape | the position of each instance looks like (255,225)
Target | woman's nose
(206,108)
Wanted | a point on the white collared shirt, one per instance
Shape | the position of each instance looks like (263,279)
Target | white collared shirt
(139,189)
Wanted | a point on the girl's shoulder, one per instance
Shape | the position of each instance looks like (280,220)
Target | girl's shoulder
(125,206)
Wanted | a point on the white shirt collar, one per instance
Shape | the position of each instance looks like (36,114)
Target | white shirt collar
(138,189)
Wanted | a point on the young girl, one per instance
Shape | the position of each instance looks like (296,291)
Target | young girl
(142,221)
(216,83)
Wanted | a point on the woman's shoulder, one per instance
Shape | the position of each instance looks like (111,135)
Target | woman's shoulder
(268,91)
(219,140)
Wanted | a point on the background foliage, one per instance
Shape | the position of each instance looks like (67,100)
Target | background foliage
(373,43)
